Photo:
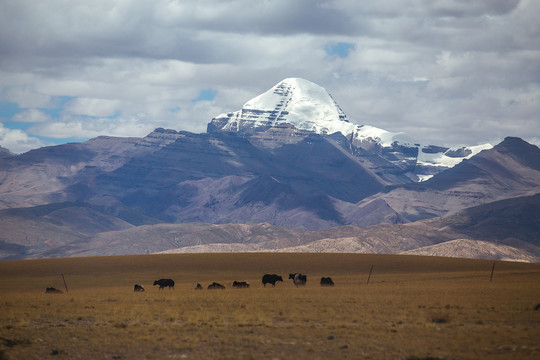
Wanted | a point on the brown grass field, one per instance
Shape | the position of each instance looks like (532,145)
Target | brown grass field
(413,308)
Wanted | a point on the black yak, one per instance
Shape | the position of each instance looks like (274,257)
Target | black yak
(51,290)
(164,283)
(327,281)
(240,284)
(271,279)
(215,286)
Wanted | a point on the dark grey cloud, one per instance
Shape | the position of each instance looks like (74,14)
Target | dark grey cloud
(263,17)
(187,31)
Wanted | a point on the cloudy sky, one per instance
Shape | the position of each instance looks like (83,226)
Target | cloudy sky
(446,72)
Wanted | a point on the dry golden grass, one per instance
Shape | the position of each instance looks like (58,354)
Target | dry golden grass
(413,308)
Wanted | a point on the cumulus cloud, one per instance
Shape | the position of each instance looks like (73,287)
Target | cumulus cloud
(17,141)
(447,71)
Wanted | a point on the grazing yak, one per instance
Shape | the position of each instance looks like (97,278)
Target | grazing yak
(271,279)
(164,283)
(240,284)
(215,286)
(327,281)
(138,287)
(197,286)
(51,290)
(298,279)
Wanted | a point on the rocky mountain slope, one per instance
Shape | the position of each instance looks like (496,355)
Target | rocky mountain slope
(511,226)
(197,177)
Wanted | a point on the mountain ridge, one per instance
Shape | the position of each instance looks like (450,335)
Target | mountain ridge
(313,189)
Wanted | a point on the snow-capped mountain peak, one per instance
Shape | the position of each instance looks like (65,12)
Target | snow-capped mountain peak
(309,107)
(294,101)
(305,105)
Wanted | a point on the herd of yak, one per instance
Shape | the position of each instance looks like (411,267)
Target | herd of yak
(297,278)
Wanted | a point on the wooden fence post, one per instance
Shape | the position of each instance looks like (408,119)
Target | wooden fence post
(369,277)
(65,285)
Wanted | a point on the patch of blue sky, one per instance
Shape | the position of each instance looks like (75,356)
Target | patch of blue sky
(9,124)
(61,141)
(339,49)
(8,109)
(206,95)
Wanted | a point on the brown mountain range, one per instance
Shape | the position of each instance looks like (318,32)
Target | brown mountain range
(298,190)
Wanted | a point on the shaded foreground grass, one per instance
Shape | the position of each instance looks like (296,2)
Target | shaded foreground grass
(413,308)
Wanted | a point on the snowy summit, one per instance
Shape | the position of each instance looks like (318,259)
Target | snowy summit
(308,106)
(294,101)
(305,105)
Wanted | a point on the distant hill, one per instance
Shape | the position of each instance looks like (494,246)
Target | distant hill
(505,230)
(472,233)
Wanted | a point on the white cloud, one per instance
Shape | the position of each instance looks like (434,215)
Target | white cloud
(18,141)
(27,96)
(81,127)
(31,116)
(92,107)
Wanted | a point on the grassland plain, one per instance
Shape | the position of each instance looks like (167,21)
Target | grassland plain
(413,308)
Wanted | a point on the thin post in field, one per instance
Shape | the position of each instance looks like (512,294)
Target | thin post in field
(65,284)
(492,269)
(369,276)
